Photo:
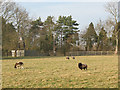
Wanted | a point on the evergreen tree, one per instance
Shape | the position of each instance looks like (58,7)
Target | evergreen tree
(102,40)
(34,34)
(90,37)
(50,27)
(9,37)
(67,28)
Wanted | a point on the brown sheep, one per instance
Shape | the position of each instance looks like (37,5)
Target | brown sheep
(67,57)
(18,64)
(73,57)
(82,66)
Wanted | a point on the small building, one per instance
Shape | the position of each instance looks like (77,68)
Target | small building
(13,53)
(18,53)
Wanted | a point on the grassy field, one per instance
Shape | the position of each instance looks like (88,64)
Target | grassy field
(57,72)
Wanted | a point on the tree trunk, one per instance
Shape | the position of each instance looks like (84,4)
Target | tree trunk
(119,42)
(116,48)
(116,33)
(54,49)
(61,39)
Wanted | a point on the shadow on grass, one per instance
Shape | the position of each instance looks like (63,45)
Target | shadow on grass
(28,57)
(3,58)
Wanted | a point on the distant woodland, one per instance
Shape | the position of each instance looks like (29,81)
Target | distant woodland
(19,31)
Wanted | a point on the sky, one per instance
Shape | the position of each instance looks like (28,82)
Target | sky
(66,0)
(118,11)
(83,12)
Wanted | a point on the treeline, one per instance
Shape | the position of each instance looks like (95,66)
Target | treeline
(100,41)
(53,36)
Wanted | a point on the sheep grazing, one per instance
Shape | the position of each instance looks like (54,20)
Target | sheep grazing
(19,65)
(82,66)
(73,57)
(67,57)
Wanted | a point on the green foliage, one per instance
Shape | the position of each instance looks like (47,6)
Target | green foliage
(68,32)
(90,37)
(40,35)
(119,36)
(34,33)
(9,37)
(51,35)
(102,40)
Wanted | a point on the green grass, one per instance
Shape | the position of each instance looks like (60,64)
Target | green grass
(57,72)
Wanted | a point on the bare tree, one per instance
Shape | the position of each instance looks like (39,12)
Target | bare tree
(21,22)
(8,8)
(17,15)
(99,25)
(112,9)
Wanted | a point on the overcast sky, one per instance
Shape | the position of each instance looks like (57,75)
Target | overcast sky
(82,12)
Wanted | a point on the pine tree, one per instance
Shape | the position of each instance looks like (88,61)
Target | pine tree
(90,37)
(102,40)
(9,37)
(68,32)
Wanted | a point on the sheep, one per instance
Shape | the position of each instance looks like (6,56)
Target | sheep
(19,64)
(67,57)
(73,57)
(82,66)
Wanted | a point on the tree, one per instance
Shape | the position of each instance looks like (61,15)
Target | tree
(41,35)
(90,37)
(34,34)
(59,29)
(16,19)
(21,23)
(71,30)
(7,8)
(50,27)
(119,37)
(112,8)
(9,37)
(14,13)
(102,40)
(67,32)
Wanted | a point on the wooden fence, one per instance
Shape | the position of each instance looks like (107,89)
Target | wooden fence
(75,53)
(86,53)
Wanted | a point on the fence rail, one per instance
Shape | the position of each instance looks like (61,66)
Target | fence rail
(75,53)
(85,53)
